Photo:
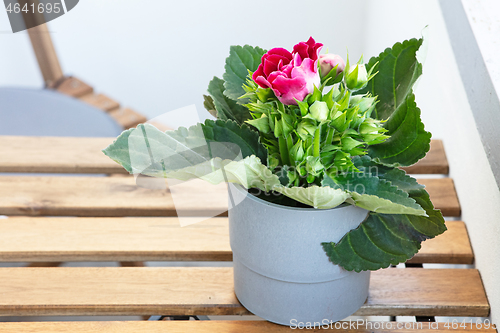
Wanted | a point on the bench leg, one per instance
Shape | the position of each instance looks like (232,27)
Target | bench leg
(44,264)
(132,264)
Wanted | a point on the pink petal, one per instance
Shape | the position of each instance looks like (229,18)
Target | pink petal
(281,51)
(287,89)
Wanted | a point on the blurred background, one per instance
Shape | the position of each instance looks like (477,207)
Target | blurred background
(159,56)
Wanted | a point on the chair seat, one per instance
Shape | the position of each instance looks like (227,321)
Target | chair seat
(38,112)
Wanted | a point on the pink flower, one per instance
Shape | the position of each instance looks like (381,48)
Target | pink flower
(291,76)
(328,61)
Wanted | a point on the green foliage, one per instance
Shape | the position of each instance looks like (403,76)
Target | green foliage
(335,146)
(209,105)
(378,191)
(227,109)
(149,151)
(319,136)
(408,142)
(228,132)
(241,60)
(315,196)
(398,69)
(249,172)
(386,239)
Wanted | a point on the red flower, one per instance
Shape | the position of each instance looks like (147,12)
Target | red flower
(291,76)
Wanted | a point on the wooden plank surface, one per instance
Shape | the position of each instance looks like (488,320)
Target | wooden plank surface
(112,239)
(213,326)
(443,195)
(120,196)
(56,155)
(451,247)
(83,155)
(161,239)
(435,162)
(105,196)
(209,291)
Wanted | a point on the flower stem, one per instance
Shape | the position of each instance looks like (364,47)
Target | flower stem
(285,158)
(317,137)
(329,135)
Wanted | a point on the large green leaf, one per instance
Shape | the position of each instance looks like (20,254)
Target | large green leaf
(194,153)
(149,151)
(249,172)
(398,69)
(396,176)
(241,60)
(226,108)
(323,197)
(378,188)
(408,141)
(386,239)
(247,139)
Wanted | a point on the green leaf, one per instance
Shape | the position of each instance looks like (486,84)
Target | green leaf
(315,196)
(408,141)
(386,239)
(396,176)
(226,108)
(229,132)
(149,151)
(249,172)
(378,188)
(209,105)
(261,124)
(398,69)
(191,153)
(241,60)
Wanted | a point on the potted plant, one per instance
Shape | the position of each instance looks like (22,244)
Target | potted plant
(311,147)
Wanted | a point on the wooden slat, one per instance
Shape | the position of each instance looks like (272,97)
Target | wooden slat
(127,118)
(452,247)
(161,239)
(43,47)
(83,155)
(56,155)
(213,326)
(73,87)
(100,101)
(112,239)
(119,196)
(104,196)
(443,195)
(435,162)
(209,291)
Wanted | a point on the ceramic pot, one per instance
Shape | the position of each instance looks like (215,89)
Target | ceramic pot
(281,272)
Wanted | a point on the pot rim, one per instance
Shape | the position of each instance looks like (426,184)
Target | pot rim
(242,189)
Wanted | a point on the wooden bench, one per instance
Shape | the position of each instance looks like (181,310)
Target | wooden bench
(69,218)
(204,327)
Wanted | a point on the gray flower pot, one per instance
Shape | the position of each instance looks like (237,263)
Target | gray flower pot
(281,272)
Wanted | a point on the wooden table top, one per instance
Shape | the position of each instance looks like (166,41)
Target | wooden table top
(55,218)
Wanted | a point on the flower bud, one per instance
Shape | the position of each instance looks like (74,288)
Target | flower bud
(319,111)
(357,77)
(328,62)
